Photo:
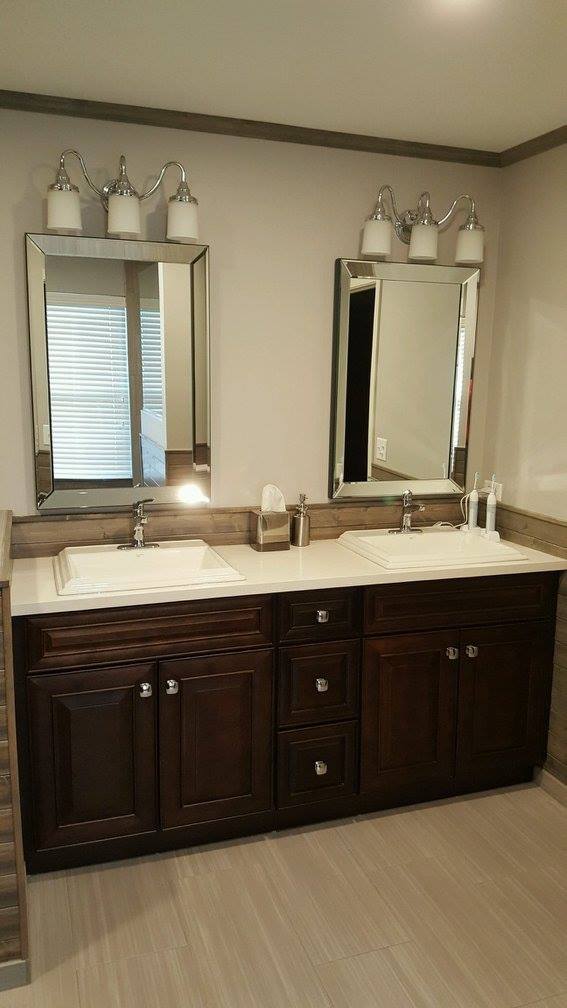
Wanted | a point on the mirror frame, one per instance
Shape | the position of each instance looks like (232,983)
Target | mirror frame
(468,278)
(38,247)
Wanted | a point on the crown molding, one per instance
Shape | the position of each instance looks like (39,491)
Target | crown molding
(142,115)
(254,129)
(544,142)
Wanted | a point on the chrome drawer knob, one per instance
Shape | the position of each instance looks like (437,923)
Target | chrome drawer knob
(171,687)
(320,768)
(322,685)
(145,689)
(471,651)
(452,653)
(322,615)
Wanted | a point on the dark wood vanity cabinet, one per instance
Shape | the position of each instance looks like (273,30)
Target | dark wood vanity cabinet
(409,707)
(165,726)
(215,737)
(453,710)
(93,754)
(504,688)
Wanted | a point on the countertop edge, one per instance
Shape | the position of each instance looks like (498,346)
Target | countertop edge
(39,596)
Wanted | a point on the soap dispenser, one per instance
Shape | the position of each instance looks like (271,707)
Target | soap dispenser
(300,534)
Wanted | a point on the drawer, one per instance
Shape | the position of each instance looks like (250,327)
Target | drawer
(318,683)
(316,763)
(459,603)
(323,615)
(107,635)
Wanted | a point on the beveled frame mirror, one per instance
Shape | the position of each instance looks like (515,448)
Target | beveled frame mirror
(403,361)
(119,347)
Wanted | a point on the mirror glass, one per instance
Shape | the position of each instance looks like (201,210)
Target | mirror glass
(402,378)
(120,371)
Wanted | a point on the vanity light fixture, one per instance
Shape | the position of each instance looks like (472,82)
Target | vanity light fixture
(420,230)
(121,201)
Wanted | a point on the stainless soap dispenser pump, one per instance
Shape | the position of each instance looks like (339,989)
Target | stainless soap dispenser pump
(301,524)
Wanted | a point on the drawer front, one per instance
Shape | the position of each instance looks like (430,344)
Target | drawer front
(316,763)
(313,616)
(318,683)
(459,603)
(106,635)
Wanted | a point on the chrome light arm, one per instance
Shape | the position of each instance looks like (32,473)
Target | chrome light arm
(62,172)
(159,180)
(380,203)
(121,183)
(445,220)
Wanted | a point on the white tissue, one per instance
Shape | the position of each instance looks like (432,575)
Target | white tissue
(272,498)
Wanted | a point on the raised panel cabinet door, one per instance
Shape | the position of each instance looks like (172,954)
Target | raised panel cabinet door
(504,685)
(92,748)
(409,701)
(215,754)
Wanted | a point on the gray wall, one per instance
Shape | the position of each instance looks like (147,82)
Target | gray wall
(276,217)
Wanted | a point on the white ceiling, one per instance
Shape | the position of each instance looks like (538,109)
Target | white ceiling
(472,73)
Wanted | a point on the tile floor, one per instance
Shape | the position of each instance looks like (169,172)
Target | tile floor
(462,904)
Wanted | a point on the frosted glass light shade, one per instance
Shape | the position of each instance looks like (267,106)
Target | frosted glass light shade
(423,242)
(377,238)
(63,210)
(470,246)
(182,221)
(124,215)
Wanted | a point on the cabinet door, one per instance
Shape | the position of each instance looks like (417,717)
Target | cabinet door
(215,737)
(92,741)
(409,699)
(503,700)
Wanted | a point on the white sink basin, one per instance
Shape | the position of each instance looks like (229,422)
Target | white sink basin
(431,549)
(84,570)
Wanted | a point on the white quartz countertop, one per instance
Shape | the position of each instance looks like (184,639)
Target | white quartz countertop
(323,564)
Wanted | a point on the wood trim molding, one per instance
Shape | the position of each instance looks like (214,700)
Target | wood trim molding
(141,115)
(539,144)
(5,540)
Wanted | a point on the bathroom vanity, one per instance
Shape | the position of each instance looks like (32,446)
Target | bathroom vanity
(151,726)
(161,711)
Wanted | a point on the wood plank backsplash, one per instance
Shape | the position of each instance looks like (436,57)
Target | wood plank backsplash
(46,535)
(13,919)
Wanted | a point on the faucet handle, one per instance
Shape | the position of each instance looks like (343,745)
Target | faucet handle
(139,506)
(407,498)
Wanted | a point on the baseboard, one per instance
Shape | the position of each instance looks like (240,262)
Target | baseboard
(552,785)
(14,973)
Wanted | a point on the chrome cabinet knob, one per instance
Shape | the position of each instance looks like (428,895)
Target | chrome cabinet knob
(171,687)
(471,651)
(322,685)
(320,768)
(145,689)
(322,615)
(452,653)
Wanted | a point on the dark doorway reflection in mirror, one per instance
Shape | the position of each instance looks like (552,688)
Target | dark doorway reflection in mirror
(403,367)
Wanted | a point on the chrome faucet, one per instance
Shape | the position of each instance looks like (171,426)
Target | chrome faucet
(141,520)
(408,509)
